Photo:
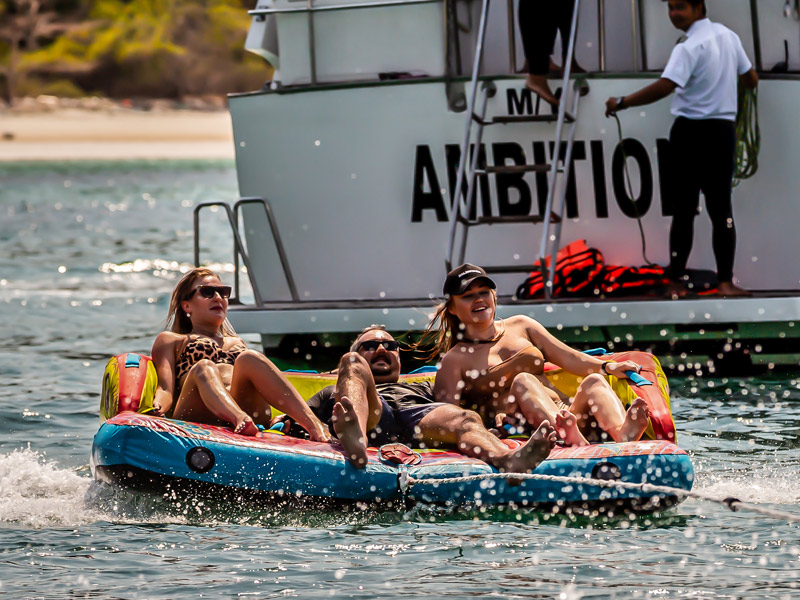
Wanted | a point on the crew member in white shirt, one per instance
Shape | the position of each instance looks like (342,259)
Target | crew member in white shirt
(702,71)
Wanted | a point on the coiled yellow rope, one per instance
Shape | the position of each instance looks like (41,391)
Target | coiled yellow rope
(748,135)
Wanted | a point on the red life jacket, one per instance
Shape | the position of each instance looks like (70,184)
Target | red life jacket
(578,268)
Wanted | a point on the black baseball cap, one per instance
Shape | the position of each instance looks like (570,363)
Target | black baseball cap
(460,278)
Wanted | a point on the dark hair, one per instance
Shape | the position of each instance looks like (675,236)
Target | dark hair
(373,327)
(695,3)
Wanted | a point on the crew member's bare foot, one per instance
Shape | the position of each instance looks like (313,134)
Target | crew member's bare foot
(731,290)
(345,424)
(528,456)
(676,290)
(558,71)
(245,426)
(636,421)
(567,429)
(539,86)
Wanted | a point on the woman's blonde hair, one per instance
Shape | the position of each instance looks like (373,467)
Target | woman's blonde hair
(177,320)
(443,332)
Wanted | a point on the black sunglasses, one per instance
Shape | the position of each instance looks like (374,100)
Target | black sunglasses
(372,345)
(208,291)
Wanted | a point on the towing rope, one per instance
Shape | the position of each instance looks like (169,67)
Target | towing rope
(748,135)
(406,481)
(629,185)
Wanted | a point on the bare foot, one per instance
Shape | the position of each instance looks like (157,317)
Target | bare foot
(636,421)
(676,290)
(567,429)
(528,456)
(539,86)
(245,426)
(345,424)
(730,290)
(558,71)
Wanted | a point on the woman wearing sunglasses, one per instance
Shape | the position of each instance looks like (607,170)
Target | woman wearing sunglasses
(206,373)
(496,367)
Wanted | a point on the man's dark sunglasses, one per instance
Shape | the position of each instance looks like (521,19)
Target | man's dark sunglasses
(208,291)
(372,345)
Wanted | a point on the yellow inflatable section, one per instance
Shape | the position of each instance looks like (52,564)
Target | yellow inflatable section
(129,383)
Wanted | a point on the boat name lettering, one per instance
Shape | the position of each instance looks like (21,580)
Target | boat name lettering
(514,192)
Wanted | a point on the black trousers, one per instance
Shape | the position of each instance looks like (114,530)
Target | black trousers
(704,157)
(538,22)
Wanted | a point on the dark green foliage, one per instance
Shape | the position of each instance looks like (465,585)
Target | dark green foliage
(127,48)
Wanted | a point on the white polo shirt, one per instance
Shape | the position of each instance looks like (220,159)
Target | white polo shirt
(706,65)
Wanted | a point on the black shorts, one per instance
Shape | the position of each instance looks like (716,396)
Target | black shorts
(395,425)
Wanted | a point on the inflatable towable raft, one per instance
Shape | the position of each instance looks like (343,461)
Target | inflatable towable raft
(164,455)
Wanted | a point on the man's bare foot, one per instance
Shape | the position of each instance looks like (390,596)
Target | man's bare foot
(345,424)
(245,426)
(539,86)
(567,429)
(636,421)
(528,456)
(731,290)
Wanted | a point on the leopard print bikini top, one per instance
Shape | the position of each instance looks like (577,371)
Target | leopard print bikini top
(204,348)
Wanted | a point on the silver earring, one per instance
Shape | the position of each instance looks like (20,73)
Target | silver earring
(189,315)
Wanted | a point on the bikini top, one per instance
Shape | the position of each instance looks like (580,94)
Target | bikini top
(204,348)
(498,378)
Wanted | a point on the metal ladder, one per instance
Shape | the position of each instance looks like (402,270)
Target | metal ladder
(560,166)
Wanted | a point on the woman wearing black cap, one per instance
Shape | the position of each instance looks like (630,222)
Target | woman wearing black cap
(497,367)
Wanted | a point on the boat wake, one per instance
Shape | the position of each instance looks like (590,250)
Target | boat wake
(776,484)
(38,494)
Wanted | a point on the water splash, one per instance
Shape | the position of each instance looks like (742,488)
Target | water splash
(36,493)
(776,484)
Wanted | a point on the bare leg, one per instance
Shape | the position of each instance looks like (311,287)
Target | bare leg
(348,430)
(464,429)
(355,381)
(254,371)
(529,398)
(596,405)
(205,399)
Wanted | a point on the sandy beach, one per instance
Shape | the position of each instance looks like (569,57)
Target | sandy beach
(81,134)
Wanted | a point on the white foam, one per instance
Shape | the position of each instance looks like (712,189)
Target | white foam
(775,484)
(35,493)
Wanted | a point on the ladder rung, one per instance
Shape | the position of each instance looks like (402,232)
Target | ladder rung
(511,269)
(514,169)
(551,118)
(554,218)
(514,219)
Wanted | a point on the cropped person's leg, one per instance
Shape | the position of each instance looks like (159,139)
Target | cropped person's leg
(205,399)
(537,25)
